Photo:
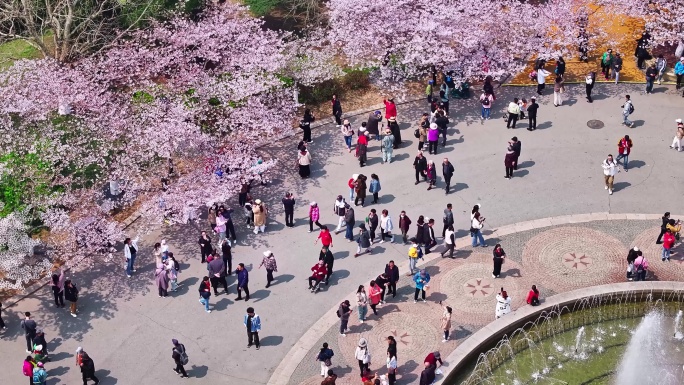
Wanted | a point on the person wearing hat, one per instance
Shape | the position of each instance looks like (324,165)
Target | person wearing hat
(396,132)
(421,279)
(363,241)
(269,262)
(39,374)
(532,113)
(387,146)
(88,369)
(39,339)
(503,304)
(362,355)
(314,216)
(180,358)
(679,135)
(433,358)
(679,72)
(433,138)
(347,133)
(38,354)
(373,124)
(260,213)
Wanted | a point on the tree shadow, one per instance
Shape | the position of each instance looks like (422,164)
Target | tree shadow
(526,164)
(271,341)
(621,186)
(544,125)
(198,371)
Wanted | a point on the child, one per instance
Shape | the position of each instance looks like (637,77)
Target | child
(523,107)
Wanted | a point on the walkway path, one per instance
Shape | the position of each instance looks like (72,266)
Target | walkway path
(128,330)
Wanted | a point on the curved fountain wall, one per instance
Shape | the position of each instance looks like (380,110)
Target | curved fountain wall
(467,353)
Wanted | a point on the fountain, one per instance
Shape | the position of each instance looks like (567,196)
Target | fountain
(623,337)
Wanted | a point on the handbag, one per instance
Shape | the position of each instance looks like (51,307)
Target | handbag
(327,362)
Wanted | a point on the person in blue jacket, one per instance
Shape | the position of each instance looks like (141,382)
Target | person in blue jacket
(243,281)
(253,324)
(422,278)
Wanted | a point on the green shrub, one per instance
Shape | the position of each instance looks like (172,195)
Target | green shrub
(356,79)
(262,7)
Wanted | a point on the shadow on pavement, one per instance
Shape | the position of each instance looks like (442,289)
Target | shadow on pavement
(271,341)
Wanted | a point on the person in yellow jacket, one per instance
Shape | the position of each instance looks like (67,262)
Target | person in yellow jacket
(414,253)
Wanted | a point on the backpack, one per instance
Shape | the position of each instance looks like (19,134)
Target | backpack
(339,313)
(176,265)
(631,108)
(416,133)
(485,101)
(183,355)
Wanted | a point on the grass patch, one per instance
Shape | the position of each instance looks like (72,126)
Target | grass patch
(14,50)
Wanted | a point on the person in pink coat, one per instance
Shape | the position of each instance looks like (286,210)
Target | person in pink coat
(374,293)
(314,216)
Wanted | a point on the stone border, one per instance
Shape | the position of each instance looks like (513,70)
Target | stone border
(281,375)
(488,335)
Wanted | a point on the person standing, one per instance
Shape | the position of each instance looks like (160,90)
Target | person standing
(509,161)
(560,66)
(306,128)
(362,149)
(27,368)
(420,230)
(217,274)
(374,296)
(173,269)
(679,135)
(392,274)
(130,252)
(616,63)
(449,241)
(57,285)
(679,72)
(391,347)
(329,259)
(624,148)
(517,148)
(503,304)
(325,356)
(448,218)
(252,322)
(243,282)
(668,242)
(205,293)
(663,227)
(606,63)
(445,321)
(429,91)
(269,262)
(442,122)
(421,279)
(447,173)
(337,110)
(349,220)
(499,257)
(227,254)
(420,165)
(386,227)
(161,278)
(513,111)
(363,241)
(304,162)
(71,295)
(375,187)
(589,81)
(651,75)
(347,134)
(430,240)
(476,225)
(363,356)
(361,303)
(414,253)
(288,207)
(205,246)
(373,222)
(339,208)
(390,109)
(404,225)
(260,213)
(39,376)
(2,323)
(610,168)
(486,99)
(532,114)
(387,146)
(343,312)
(314,216)
(383,282)
(373,124)
(431,173)
(627,110)
(542,74)
(88,369)
(180,358)
(661,65)
(433,138)
(558,89)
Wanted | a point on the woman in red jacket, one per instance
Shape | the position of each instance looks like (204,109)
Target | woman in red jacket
(390,109)
(533,296)
(624,148)
(668,242)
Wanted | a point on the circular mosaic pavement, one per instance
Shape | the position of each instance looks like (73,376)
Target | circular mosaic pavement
(568,258)
(468,287)
(663,271)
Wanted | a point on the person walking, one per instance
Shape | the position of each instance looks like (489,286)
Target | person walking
(373,222)
(661,65)
(330,379)
(269,262)
(499,258)
(404,225)
(325,356)
(227,255)
(39,375)
(433,138)
(349,220)
(205,293)
(314,216)
(627,110)
(679,72)
(71,295)
(449,241)
(668,243)
(486,100)
(414,253)
(542,74)
(589,81)
(172,268)
(513,111)
(325,237)
(347,134)
(27,368)
(517,149)
(421,279)
(392,274)
(430,239)
(362,149)
(130,252)
(616,64)
(421,132)
(445,321)
(88,369)
(679,135)
(624,148)
(558,89)
(429,91)
(387,146)
(431,173)
(606,63)
(386,227)
(363,241)
(57,285)
(447,218)
(361,303)
(651,76)
(509,161)
(343,312)
(503,304)
(663,227)
(476,225)
(337,110)
(447,173)
(363,356)
(339,210)
(180,358)
(329,260)
(243,282)
(205,246)
(252,322)
(161,278)
(610,169)
(260,213)
(420,165)
(374,296)
(288,208)
(375,187)
(305,125)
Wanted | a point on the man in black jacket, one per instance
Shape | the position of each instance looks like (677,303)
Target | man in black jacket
(327,256)
(429,236)
(532,114)
(178,354)
(420,165)
(205,246)
(517,147)
(427,376)
(382,281)
(392,274)
(29,327)
(288,206)
(447,173)
(442,121)
(337,110)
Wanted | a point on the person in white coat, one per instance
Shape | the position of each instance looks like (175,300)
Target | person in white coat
(610,168)
(386,227)
(542,74)
(679,135)
(503,304)
(130,252)
(362,355)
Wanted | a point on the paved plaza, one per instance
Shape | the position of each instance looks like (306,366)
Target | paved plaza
(559,228)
